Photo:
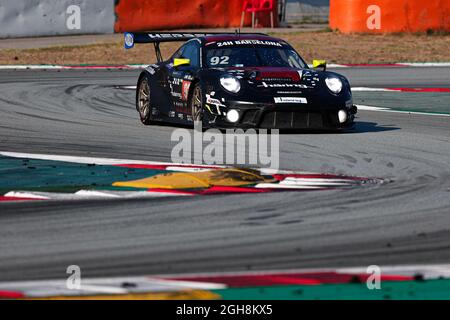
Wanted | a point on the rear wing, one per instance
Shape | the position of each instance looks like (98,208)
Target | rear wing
(131,38)
(157,37)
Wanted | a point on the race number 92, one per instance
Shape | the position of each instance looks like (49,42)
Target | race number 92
(219,60)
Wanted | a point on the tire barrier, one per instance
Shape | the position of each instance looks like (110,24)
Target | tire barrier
(389,16)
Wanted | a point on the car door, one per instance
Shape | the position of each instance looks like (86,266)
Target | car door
(180,79)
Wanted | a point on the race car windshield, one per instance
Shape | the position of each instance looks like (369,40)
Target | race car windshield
(253,56)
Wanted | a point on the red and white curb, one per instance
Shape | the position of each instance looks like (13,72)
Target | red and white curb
(430,90)
(285,180)
(391,65)
(142,66)
(384,109)
(214,281)
(361,89)
(73,67)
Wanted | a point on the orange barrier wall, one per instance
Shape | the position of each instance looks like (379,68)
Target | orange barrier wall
(384,16)
(139,15)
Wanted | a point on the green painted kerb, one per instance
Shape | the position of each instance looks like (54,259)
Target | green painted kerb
(401,290)
(406,101)
(56,176)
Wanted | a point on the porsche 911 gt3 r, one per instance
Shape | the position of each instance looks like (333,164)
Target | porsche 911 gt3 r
(239,80)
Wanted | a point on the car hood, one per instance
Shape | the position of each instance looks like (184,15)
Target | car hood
(271,80)
(263,83)
(268,73)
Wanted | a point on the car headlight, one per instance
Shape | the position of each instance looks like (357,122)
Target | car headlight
(334,84)
(230,83)
(233,115)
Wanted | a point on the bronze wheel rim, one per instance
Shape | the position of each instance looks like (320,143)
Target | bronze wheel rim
(197,104)
(144,99)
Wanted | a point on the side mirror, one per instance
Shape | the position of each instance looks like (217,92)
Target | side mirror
(320,64)
(181,62)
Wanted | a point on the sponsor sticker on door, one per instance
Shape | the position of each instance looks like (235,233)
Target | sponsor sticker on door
(185,90)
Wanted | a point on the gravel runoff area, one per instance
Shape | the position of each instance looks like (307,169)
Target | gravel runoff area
(312,43)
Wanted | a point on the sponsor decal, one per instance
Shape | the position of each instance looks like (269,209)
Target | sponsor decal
(213,101)
(177,81)
(176,94)
(290,100)
(161,36)
(181,107)
(289,92)
(283,85)
(129,40)
(249,42)
(150,70)
(185,90)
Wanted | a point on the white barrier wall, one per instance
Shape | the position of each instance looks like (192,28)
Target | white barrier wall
(26,18)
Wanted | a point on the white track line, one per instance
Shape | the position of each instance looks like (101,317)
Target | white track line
(280,186)
(142,66)
(74,67)
(94,194)
(386,269)
(427,64)
(367,89)
(103,161)
(108,161)
(28,195)
(382,109)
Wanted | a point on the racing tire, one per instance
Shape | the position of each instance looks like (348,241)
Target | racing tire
(143,103)
(196,103)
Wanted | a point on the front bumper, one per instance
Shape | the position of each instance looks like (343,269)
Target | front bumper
(284,116)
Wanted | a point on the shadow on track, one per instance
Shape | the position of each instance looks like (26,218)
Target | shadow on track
(362,127)
(359,127)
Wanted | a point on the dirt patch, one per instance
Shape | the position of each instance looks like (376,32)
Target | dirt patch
(332,46)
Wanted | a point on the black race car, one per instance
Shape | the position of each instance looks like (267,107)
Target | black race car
(239,80)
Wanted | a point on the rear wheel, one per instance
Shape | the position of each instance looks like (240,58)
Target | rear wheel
(143,104)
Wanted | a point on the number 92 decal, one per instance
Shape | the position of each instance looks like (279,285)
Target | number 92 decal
(219,60)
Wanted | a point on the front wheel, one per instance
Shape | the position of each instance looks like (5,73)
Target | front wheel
(143,104)
(196,103)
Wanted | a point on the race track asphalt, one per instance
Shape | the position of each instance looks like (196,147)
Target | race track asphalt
(404,221)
